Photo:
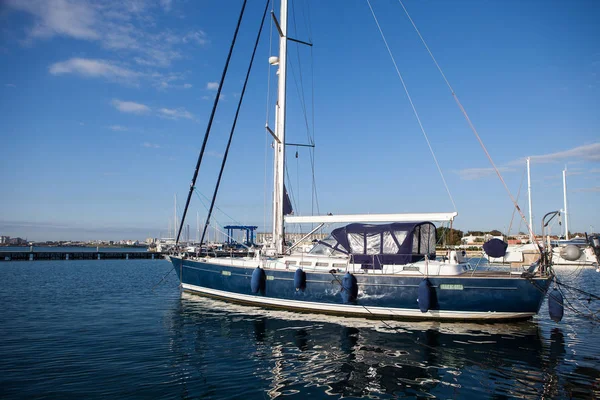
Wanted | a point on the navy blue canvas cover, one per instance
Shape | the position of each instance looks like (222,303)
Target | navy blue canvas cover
(495,248)
(413,241)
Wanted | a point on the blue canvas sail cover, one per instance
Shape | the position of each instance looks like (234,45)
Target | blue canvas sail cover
(396,243)
(495,248)
(287,204)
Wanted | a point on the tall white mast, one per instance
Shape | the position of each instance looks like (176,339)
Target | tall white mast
(565,201)
(279,144)
(197,226)
(529,195)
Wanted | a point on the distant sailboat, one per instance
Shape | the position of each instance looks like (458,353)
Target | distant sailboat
(377,265)
(579,251)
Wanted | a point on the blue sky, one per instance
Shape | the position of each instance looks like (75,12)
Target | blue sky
(104,106)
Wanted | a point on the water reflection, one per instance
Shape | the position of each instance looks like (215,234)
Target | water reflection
(290,354)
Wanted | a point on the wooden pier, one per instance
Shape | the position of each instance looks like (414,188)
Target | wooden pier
(78,255)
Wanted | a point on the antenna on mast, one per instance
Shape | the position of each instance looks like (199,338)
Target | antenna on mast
(565,203)
(531,234)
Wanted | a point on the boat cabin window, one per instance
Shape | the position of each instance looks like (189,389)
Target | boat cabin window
(322,264)
(305,263)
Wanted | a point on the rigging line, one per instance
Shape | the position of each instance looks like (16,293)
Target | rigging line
(217,207)
(512,218)
(291,188)
(210,120)
(237,112)
(303,100)
(315,198)
(578,290)
(302,96)
(412,105)
(163,278)
(462,109)
(300,90)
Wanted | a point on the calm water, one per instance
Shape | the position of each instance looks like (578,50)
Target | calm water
(95,329)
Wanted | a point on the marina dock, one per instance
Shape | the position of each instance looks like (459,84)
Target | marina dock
(78,255)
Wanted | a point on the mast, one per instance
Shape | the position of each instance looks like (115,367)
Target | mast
(279,144)
(565,201)
(197,226)
(175,217)
(531,238)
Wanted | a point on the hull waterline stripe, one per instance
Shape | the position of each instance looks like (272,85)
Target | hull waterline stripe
(355,310)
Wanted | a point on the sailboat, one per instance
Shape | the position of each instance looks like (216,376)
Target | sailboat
(376,265)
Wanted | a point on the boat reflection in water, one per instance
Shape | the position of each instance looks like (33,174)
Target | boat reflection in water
(231,351)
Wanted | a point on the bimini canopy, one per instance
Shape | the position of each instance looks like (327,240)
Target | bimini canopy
(373,245)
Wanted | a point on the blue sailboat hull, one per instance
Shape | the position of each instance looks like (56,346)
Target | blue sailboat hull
(461,297)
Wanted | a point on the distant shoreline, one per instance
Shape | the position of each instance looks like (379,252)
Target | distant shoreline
(75,245)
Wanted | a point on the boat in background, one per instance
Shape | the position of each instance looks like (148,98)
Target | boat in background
(575,251)
(376,265)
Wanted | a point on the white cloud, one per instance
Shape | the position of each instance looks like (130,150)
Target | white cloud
(470,174)
(187,85)
(12,85)
(198,37)
(128,28)
(118,128)
(59,18)
(151,145)
(93,68)
(130,107)
(587,152)
(212,85)
(166,4)
(591,189)
(175,113)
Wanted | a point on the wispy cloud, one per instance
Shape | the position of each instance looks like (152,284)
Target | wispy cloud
(187,85)
(166,4)
(118,128)
(212,85)
(471,174)
(93,68)
(128,28)
(214,154)
(151,145)
(130,107)
(75,19)
(586,152)
(590,189)
(177,113)
(12,85)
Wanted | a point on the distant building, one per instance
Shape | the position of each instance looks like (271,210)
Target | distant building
(17,241)
(474,240)
(4,239)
